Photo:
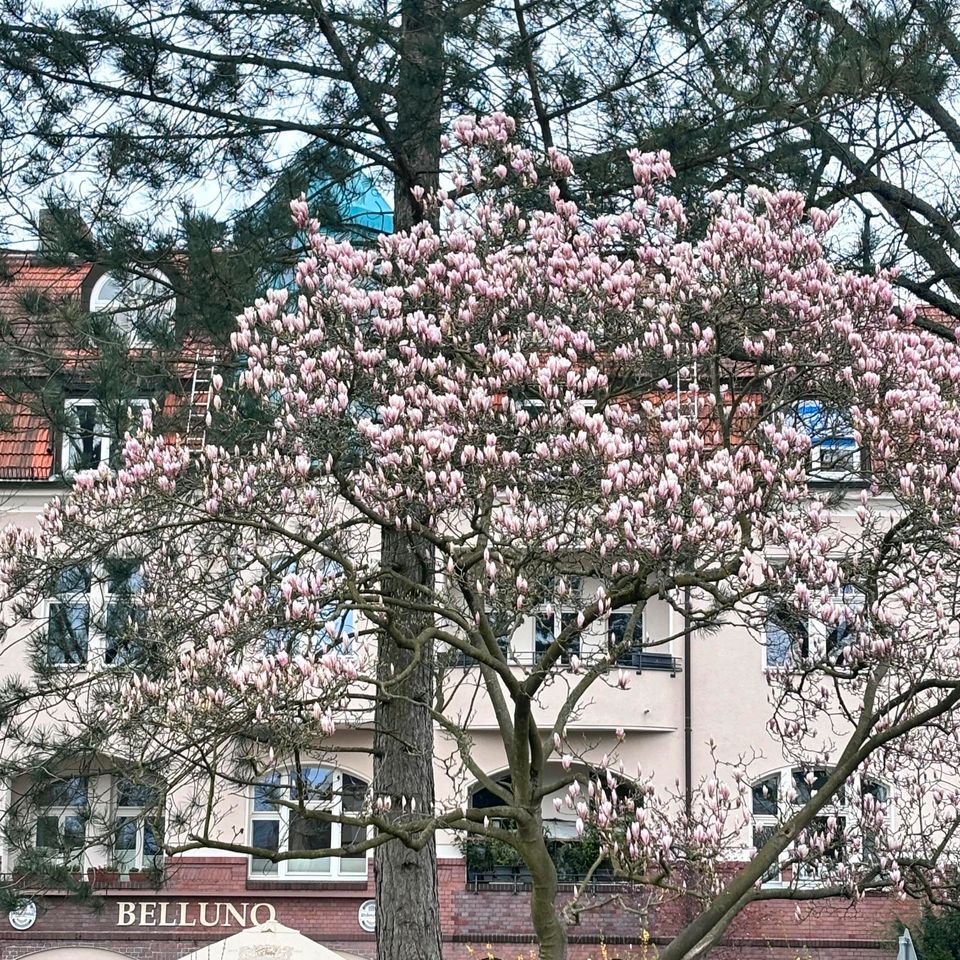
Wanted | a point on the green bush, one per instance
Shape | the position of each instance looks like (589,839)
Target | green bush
(573,858)
(938,935)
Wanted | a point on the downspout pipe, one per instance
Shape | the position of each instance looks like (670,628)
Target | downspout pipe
(687,707)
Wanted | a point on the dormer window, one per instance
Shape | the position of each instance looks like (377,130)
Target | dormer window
(90,438)
(86,439)
(137,304)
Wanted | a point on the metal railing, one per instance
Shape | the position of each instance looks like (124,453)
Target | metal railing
(640,660)
(518,880)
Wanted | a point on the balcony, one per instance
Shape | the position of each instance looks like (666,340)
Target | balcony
(650,699)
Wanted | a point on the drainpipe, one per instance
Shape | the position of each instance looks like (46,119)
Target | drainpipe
(687,708)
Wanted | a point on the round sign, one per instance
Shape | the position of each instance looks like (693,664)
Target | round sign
(367,915)
(24,917)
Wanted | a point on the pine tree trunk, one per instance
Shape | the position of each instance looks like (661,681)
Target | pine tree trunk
(408,909)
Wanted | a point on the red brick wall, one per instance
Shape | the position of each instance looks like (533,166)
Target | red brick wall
(475,924)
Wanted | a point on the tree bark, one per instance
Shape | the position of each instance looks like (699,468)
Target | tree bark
(547,923)
(408,907)
(419,101)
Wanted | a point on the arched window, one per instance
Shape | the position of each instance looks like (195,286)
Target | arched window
(833,837)
(75,953)
(492,861)
(137,304)
(278,824)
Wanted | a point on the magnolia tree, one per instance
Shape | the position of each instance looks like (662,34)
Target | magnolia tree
(530,403)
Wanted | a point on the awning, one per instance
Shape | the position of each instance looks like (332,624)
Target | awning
(907,951)
(270,939)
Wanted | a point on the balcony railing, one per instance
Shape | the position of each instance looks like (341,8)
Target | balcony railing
(518,880)
(639,660)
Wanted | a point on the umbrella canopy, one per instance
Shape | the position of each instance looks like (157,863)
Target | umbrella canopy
(907,950)
(268,940)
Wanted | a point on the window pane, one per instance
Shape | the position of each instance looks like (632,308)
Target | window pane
(68,792)
(48,833)
(67,633)
(353,793)
(309,834)
(74,831)
(843,632)
(317,784)
(108,291)
(785,630)
(619,621)
(761,834)
(86,446)
(482,798)
(123,644)
(543,632)
(72,580)
(126,835)
(340,623)
(766,795)
(876,790)
(265,795)
(124,577)
(351,835)
(573,644)
(805,789)
(834,850)
(266,835)
(130,794)
(153,843)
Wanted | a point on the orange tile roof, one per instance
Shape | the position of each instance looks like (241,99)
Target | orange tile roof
(29,288)
(26,448)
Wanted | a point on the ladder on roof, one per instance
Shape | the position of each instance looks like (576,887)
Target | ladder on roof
(201,398)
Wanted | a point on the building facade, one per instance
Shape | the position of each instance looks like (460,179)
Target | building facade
(686,699)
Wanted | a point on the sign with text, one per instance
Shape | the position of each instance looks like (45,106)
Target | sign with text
(192,913)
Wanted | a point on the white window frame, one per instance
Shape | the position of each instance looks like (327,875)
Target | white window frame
(123,306)
(818,632)
(844,810)
(78,598)
(136,814)
(63,812)
(109,597)
(640,627)
(283,870)
(97,599)
(70,441)
(846,442)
